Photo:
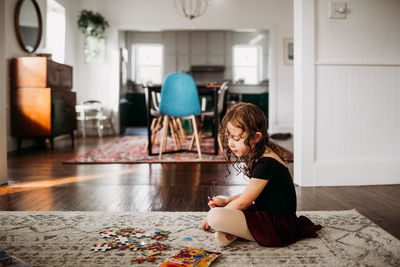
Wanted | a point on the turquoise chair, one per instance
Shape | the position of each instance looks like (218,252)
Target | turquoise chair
(179,99)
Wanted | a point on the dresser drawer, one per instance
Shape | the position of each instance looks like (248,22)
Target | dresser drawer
(58,75)
(40,72)
(28,72)
(31,112)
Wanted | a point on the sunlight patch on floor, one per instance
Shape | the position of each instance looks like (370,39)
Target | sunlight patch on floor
(25,186)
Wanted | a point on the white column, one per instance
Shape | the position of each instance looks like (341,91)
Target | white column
(272,89)
(3,98)
(304,92)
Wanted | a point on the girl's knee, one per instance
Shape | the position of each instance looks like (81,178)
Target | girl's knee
(214,217)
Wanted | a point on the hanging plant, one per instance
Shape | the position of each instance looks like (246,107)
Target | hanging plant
(92,24)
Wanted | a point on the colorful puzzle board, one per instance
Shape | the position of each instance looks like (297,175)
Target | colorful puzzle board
(191,257)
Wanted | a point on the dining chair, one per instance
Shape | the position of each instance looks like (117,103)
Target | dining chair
(92,111)
(179,99)
(178,133)
(156,122)
(210,113)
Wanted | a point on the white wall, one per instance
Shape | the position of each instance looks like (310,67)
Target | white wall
(355,115)
(100,79)
(71,16)
(3,95)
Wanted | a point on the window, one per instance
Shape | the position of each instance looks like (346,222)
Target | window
(147,63)
(55,30)
(247,64)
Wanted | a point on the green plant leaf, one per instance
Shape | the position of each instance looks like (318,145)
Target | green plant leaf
(92,24)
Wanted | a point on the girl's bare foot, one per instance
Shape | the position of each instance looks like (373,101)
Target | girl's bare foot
(224,239)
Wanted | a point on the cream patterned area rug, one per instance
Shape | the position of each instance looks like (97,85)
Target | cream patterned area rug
(59,238)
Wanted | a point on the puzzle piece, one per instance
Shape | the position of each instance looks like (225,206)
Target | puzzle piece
(105,235)
(142,259)
(108,233)
(152,259)
(113,244)
(157,246)
(122,239)
(130,230)
(103,247)
(123,247)
(149,254)
(160,234)
(147,234)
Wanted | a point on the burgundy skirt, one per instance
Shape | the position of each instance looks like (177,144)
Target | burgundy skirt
(278,231)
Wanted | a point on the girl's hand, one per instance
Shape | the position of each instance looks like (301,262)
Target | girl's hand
(204,225)
(217,202)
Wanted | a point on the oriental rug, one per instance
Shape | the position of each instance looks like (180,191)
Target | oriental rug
(57,238)
(133,149)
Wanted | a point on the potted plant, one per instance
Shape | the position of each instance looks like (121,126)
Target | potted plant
(93,26)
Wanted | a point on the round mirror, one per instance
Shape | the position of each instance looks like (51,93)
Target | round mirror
(28,24)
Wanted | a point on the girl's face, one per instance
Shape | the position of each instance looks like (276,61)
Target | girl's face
(236,140)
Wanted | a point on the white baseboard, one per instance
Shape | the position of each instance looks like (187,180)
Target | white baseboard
(348,173)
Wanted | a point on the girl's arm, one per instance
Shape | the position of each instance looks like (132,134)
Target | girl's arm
(250,194)
(230,199)
(221,201)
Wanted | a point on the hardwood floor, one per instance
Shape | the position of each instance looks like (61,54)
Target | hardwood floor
(39,181)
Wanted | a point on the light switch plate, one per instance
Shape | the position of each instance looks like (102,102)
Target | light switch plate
(337,10)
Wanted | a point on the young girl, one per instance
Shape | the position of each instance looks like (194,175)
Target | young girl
(271,221)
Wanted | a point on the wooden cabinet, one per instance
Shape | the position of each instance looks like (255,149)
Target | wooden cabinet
(135,103)
(43,105)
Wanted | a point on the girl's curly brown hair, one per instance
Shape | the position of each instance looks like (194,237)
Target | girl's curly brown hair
(250,119)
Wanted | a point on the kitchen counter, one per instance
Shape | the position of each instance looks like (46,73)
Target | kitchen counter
(255,89)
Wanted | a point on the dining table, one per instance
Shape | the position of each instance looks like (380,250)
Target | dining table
(203,90)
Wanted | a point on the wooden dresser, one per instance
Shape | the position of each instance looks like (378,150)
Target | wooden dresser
(42,104)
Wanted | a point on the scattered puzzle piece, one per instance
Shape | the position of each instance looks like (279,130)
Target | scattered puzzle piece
(149,254)
(159,234)
(108,233)
(142,259)
(105,235)
(103,247)
(123,247)
(122,239)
